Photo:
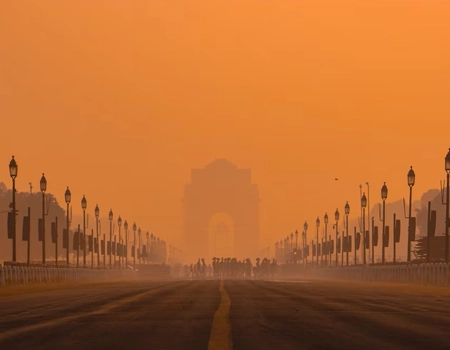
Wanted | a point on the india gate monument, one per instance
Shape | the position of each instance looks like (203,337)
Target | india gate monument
(221,213)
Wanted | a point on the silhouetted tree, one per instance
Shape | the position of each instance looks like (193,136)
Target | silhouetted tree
(422,213)
(437,249)
(34,201)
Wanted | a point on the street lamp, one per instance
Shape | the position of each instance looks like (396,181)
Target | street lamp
(384,195)
(97,214)
(317,240)
(147,250)
(119,223)
(151,250)
(336,218)
(125,226)
(363,206)
(325,221)
(281,249)
(347,213)
(13,167)
(447,224)
(368,219)
(305,241)
(296,239)
(292,238)
(134,245)
(139,234)
(411,182)
(68,198)
(43,185)
(111,217)
(84,206)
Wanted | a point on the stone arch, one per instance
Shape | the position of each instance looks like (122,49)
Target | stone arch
(220,188)
(221,241)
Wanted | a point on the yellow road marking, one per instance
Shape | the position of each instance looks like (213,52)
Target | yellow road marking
(220,338)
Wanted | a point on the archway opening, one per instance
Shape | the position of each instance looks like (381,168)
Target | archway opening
(221,236)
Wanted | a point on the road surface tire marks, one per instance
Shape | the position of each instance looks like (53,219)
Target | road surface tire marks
(262,315)
(176,315)
(310,316)
(43,309)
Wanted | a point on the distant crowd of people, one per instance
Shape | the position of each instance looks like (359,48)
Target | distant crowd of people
(231,267)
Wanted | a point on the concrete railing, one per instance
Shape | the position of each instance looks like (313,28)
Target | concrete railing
(31,275)
(428,274)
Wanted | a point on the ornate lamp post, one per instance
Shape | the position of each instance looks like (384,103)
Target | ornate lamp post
(276,250)
(447,224)
(347,212)
(134,245)
(317,240)
(68,198)
(296,239)
(325,221)
(363,206)
(111,217)
(92,249)
(336,218)
(152,240)
(125,226)
(411,182)
(139,234)
(368,217)
(147,250)
(13,167)
(384,195)
(84,206)
(43,185)
(97,214)
(305,240)
(119,223)
(287,247)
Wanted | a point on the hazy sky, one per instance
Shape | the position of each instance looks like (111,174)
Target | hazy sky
(120,99)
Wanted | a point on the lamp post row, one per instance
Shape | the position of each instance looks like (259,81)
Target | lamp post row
(156,242)
(411,177)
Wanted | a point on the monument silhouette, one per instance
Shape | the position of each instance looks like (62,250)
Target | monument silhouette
(221,192)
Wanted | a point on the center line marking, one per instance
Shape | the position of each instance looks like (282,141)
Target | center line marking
(220,338)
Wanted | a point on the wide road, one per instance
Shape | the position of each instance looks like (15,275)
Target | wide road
(229,314)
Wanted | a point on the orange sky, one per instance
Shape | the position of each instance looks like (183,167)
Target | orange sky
(120,99)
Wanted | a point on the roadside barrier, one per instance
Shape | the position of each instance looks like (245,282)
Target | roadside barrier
(437,274)
(10,275)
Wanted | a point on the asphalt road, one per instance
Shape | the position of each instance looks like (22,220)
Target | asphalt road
(233,314)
